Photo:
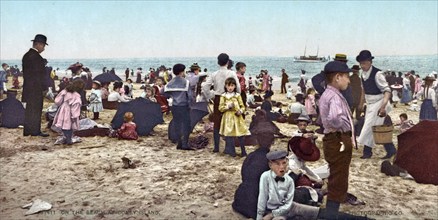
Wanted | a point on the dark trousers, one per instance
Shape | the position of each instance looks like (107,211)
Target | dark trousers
(243,95)
(339,164)
(95,115)
(283,88)
(217,118)
(181,118)
(32,115)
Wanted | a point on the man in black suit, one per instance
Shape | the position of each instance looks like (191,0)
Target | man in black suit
(33,86)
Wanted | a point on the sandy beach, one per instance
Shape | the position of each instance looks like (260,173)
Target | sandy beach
(86,180)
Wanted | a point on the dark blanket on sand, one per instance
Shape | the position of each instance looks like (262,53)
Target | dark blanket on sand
(102,132)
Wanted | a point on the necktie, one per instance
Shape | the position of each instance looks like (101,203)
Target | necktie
(279,178)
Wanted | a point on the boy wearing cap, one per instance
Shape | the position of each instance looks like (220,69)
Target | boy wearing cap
(246,196)
(302,123)
(277,191)
(338,127)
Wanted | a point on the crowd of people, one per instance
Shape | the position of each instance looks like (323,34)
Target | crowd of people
(334,100)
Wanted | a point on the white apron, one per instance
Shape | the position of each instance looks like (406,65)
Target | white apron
(372,119)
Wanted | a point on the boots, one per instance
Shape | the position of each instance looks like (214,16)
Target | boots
(229,146)
(216,138)
(332,209)
(367,152)
(242,146)
(390,150)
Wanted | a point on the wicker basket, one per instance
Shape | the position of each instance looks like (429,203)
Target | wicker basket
(383,134)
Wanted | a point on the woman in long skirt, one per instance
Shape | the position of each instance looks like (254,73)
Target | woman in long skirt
(428,107)
(406,92)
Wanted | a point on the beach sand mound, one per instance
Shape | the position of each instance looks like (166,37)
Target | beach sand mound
(87,180)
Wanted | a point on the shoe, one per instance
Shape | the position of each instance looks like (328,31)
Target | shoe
(367,152)
(41,134)
(231,154)
(186,148)
(390,151)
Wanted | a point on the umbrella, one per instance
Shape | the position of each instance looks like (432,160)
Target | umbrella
(417,151)
(198,111)
(107,78)
(147,115)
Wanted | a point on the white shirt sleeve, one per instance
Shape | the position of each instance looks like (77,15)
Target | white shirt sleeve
(381,82)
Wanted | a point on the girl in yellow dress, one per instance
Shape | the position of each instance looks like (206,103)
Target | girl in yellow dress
(232,124)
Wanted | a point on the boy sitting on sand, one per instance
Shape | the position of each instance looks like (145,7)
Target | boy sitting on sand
(277,192)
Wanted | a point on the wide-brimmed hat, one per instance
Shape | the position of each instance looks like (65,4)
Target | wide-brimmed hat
(40,38)
(194,67)
(336,67)
(364,55)
(340,57)
(268,94)
(261,124)
(304,148)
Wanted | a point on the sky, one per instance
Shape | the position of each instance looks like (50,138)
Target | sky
(140,29)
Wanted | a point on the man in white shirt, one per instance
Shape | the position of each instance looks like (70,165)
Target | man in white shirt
(377,94)
(217,80)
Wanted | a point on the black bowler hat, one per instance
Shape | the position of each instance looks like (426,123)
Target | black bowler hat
(364,55)
(40,38)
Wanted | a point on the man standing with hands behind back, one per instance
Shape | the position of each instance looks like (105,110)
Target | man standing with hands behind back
(33,83)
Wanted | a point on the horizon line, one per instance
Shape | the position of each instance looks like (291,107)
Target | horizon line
(177,57)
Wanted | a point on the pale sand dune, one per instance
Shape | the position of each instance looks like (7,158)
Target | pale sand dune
(170,184)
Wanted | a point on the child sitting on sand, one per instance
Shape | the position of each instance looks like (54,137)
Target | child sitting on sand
(148,93)
(405,124)
(127,131)
(232,124)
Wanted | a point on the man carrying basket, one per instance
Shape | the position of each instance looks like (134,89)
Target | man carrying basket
(377,94)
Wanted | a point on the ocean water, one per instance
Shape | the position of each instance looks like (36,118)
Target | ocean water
(423,65)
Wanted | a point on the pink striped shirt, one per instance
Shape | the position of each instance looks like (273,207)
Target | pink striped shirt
(334,111)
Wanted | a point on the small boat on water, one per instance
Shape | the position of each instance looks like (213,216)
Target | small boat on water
(310,59)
